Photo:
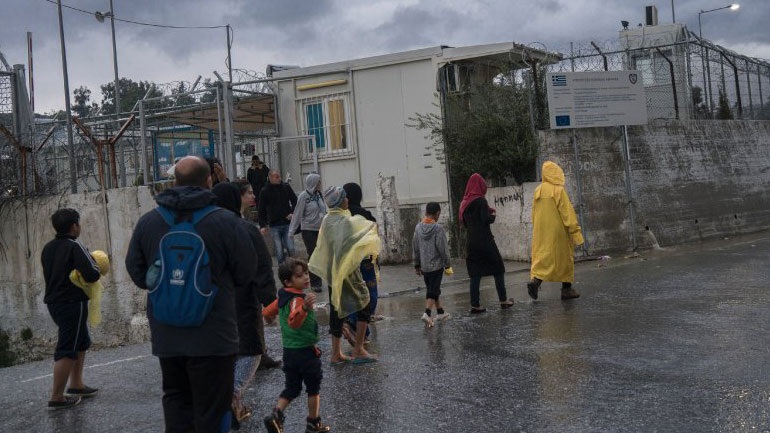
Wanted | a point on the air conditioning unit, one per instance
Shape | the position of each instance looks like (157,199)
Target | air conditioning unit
(651,15)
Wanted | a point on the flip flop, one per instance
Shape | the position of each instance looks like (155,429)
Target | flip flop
(364,360)
(342,362)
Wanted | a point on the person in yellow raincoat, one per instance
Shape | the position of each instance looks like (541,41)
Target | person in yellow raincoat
(555,234)
(343,241)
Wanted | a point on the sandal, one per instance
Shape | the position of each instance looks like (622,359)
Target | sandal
(508,303)
(478,310)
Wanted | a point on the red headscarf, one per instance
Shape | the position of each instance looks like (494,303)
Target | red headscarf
(475,188)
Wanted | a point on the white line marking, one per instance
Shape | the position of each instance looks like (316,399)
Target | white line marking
(89,366)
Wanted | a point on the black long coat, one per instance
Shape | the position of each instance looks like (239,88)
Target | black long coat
(483,258)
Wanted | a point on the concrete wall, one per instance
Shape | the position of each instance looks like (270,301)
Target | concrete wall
(26,228)
(690,181)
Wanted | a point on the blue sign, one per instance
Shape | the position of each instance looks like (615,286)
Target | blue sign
(562,121)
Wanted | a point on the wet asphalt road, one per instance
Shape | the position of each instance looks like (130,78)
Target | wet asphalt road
(672,342)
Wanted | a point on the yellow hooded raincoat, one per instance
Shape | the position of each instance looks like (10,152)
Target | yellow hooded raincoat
(343,241)
(93,290)
(555,231)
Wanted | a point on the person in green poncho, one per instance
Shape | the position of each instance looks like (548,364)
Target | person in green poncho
(343,241)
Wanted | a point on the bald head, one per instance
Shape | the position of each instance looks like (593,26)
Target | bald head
(274,176)
(192,171)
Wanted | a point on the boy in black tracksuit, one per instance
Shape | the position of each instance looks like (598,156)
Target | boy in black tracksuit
(68,306)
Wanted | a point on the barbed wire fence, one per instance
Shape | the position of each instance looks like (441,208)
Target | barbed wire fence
(683,80)
(687,79)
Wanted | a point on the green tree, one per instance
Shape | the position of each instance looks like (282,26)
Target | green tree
(130,92)
(211,92)
(488,129)
(81,107)
(181,97)
(724,111)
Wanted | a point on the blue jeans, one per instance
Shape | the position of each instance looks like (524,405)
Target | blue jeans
(282,239)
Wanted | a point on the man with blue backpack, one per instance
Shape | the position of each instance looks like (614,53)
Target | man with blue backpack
(190,255)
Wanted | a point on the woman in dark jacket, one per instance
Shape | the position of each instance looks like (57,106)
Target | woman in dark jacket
(247,306)
(482,258)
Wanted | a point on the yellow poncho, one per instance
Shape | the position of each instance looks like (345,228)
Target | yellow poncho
(555,231)
(93,290)
(343,241)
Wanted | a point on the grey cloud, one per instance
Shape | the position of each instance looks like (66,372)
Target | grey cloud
(415,26)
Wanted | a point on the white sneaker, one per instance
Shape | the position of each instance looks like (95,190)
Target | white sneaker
(443,316)
(428,321)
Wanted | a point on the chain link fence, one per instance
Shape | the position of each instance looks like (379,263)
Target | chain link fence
(687,78)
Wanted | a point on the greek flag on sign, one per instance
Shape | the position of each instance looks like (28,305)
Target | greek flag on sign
(559,80)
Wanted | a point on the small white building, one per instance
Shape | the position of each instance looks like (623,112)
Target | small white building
(357,114)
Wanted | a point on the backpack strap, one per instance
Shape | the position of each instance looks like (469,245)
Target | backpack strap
(201,213)
(169,215)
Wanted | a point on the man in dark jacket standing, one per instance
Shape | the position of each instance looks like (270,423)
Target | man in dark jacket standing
(196,362)
(68,305)
(257,175)
(276,207)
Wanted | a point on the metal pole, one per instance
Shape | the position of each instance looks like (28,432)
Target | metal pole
(229,58)
(143,143)
(703,54)
(218,149)
(673,13)
(30,77)
(629,189)
(67,107)
(748,87)
(117,97)
(229,149)
(673,82)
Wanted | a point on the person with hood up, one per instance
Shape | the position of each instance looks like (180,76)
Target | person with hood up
(247,301)
(196,363)
(343,241)
(555,234)
(307,217)
(482,256)
(431,260)
(369,268)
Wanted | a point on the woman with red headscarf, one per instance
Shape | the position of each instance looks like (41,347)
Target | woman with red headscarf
(482,258)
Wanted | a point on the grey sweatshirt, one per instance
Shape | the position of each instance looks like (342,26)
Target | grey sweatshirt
(430,249)
(310,209)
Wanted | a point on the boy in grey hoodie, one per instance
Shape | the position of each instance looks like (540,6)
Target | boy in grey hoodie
(431,260)
(307,217)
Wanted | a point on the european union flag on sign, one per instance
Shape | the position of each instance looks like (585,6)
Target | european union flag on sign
(562,121)
(559,80)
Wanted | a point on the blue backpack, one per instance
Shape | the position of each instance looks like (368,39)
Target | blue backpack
(179,280)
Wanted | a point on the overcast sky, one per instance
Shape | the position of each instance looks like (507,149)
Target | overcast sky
(309,32)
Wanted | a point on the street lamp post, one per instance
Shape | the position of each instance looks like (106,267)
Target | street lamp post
(707,69)
(100,17)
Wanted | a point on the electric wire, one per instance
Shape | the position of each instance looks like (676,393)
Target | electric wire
(166,26)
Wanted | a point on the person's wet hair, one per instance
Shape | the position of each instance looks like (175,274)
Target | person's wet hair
(287,268)
(63,219)
(432,208)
